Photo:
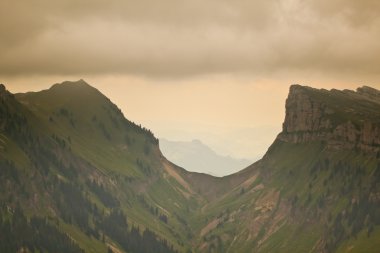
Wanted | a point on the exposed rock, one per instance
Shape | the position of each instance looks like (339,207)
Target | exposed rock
(308,118)
(302,113)
(4,93)
(369,92)
(2,87)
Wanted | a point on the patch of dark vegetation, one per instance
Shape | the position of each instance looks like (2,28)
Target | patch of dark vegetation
(18,234)
(104,196)
(115,225)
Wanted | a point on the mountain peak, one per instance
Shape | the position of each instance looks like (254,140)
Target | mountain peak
(295,87)
(76,96)
(196,156)
(302,112)
(369,92)
(4,92)
(71,84)
(196,141)
(298,88)
(345,118)
(79,90)
(2,87)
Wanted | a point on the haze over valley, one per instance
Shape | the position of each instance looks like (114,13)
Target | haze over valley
(196,156)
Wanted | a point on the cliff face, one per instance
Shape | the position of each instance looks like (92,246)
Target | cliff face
(341,119)
(3,92)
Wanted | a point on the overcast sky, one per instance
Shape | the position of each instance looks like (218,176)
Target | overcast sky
(185,69)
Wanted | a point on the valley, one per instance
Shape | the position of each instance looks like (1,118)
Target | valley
(76,172)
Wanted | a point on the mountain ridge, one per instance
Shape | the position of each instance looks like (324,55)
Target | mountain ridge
(310,118)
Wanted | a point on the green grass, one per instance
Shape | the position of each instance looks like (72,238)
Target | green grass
(362,243)
(89,244)
(12,152)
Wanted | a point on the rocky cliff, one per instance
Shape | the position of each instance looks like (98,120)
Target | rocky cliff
(342,119)
(4,92)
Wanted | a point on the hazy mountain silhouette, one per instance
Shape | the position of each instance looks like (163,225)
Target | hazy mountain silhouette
(198,157)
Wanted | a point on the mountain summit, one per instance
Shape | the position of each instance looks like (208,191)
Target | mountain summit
(343,119)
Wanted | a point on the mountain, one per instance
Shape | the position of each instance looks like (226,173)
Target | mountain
(317,189)
(77,176)
(196,156)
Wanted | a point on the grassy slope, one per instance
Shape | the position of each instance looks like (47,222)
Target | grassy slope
(308,202)
(294,227)
(96,131)
(362,243)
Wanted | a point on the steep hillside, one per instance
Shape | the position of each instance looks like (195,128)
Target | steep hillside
(317,189)
(71,159)
(198,157)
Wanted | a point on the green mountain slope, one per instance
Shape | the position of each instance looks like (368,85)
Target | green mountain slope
(76,176)
(317,188)
(78,162)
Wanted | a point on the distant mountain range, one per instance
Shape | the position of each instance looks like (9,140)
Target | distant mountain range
(196,156)
(77,176)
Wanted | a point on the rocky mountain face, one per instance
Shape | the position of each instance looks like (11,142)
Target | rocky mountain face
(335,117)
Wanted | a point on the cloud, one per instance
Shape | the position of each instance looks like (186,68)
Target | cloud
(356,13)
(173,38)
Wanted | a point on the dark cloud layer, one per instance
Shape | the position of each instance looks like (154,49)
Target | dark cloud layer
(174,38)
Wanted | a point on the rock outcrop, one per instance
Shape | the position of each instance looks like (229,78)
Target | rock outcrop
(334,117)
(4,93)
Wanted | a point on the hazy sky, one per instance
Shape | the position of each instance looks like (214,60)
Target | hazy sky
(214,70)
